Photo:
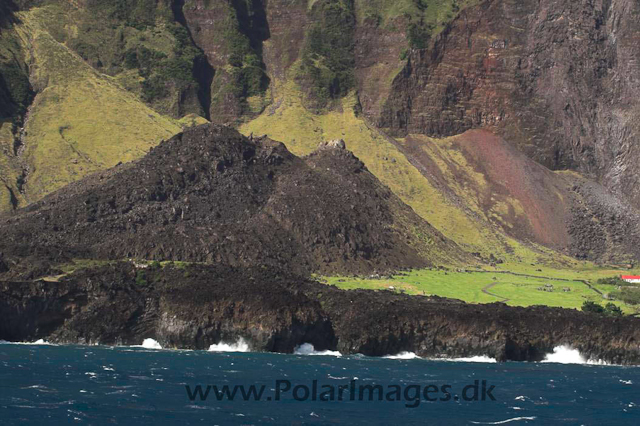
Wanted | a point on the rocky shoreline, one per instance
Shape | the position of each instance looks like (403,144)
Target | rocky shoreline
(193,307)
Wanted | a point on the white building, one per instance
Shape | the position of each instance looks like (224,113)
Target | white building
(634,279)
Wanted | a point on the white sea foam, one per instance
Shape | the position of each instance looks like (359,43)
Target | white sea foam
(240,345)
(403,355)
(150,344)
(479,358)
(37,342)
(501,422)
(336,378)
(308,349)
(568,355)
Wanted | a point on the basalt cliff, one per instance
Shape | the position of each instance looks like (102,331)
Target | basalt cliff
(196,306)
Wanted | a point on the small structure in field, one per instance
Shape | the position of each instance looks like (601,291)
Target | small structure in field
(632,279)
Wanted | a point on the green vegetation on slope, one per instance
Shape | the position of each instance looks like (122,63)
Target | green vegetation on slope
(15,96)
(326,70)
(15,89)
(81,121)
(10,172)
(160,71)
(136,41)
(423,18)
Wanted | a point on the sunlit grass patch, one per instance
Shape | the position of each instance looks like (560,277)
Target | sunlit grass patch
(567,290)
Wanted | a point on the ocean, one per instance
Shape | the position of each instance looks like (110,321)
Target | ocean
(50,384)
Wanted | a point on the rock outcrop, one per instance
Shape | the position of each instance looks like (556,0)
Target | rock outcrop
(336,143)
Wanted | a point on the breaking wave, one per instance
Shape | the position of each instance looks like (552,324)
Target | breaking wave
(150,344)
(308,349)
(240,345)
(412,355)
(37,342)
(479,358)
(403,355)
(567,355)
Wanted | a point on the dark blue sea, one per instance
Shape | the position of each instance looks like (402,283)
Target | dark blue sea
(48,384)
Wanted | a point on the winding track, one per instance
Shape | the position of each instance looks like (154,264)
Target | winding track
(486,289)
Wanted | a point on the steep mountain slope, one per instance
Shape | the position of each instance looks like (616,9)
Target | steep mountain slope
(301,131)
(505,67)
(405,81)
(556,78)
(212,195)
(476,188)
(502,188)
(79,121)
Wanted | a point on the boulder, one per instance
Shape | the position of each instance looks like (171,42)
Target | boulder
(336,143)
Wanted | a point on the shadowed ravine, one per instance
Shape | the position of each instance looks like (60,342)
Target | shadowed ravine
(202,69)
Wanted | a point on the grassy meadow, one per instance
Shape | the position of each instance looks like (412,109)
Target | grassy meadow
(515,284)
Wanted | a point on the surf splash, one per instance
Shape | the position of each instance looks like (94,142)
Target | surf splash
(37,342)
(567,355)
(412,355)
(308,349)
(150,344)
(403,355)
(240,345)
(479,358)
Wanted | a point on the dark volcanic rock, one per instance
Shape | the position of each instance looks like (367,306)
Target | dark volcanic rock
(381,323)
(184,308)
(212,195)
(197,306)
(602,227)
(3,266)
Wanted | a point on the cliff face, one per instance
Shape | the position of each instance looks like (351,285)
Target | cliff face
(188,307)
(557,78)
(230,33)
(197,306)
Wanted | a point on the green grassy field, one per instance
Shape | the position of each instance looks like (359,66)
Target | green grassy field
(513,284)
(506,284)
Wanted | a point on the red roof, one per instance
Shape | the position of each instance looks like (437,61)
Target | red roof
(630,277)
